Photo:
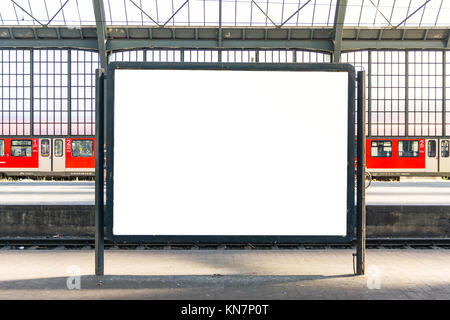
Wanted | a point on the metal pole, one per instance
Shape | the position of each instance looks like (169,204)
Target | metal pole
(369,94)
(69,92)
(407,93)
(444,94)
(99,186)
(32,93)
(361,180)
(219,34)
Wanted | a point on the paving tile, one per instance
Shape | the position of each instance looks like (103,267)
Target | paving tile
(226,274)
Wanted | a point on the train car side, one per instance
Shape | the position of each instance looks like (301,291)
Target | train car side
(407,157)
(80,155)
(47,156)
(19,156)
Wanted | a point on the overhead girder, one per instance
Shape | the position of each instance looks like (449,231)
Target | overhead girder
(99,12)
(338,28)
(131,37)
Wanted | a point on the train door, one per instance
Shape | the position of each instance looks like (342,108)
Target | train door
(3,155)
(431,164)
(45,157)
(59,158)
(444,158)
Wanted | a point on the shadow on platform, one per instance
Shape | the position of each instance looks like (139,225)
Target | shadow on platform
(90,282)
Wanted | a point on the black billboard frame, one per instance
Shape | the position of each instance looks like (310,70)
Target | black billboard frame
(230,239)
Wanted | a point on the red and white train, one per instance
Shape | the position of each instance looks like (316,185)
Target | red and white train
(56,156)
(408,157)
(46,156)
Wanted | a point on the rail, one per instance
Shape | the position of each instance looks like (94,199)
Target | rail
(87,243)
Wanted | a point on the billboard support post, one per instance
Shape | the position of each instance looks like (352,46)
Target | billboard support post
(99,176)
(361,178)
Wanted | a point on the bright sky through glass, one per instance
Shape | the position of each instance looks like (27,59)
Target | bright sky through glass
(289,13)
(379,13)
(74,12)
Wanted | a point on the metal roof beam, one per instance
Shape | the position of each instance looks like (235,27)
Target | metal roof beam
(84,44)
(316,45)
(126,37)
(99,12)
(352,45)
(339,18)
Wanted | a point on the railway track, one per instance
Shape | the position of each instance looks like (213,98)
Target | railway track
(87,243)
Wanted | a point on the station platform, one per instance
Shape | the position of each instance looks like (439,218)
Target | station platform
(420,192)
(225,274)
(405,209)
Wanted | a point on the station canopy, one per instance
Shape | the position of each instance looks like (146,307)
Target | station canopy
(239,13)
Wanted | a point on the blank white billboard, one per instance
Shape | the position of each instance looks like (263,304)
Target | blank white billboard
(209,152)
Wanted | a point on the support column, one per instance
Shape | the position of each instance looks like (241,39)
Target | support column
(99,174)
(339,18)
(444,93)
(69,92)
(99,12)
(361,181)
(219,34)
(31,92)
(369,94)
(406,93)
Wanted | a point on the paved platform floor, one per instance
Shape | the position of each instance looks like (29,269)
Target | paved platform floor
(411,192)
(30,192)
(225,274)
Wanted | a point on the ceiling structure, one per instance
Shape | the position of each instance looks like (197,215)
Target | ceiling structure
(331,26)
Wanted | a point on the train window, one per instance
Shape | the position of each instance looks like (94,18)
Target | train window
(431,148)
(58,148)
(408,148)
(444,149)
(2,148)
(82,148)
(45,148)
(21,148)
(381,149)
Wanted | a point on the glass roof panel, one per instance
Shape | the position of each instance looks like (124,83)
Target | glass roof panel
(183,13)
(257,17)
(47,12)
(79,12)
(114,11)
(234,12)
(211,12)
(415,13)
(262,13)
(398,13)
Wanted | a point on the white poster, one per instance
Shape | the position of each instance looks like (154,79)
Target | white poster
(230,152)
